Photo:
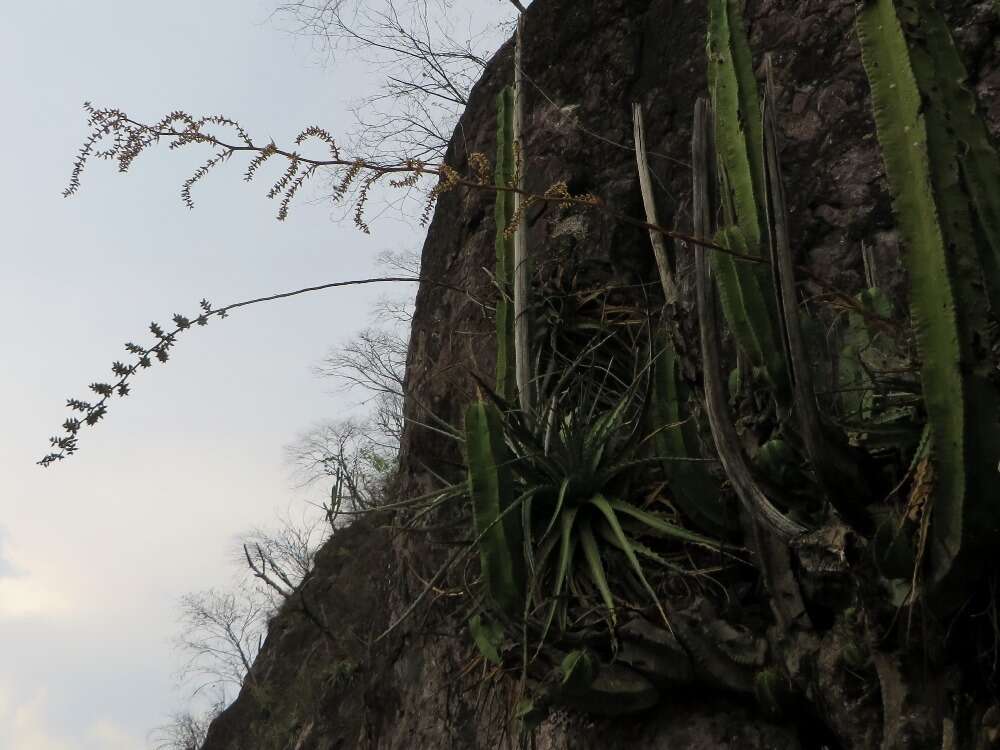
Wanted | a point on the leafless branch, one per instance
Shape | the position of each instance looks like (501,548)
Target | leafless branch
(186,730)
(223,632)
(354,454)
(429,67)
(375,360)
(282,557)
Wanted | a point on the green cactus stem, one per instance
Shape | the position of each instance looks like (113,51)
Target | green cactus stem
(953,120)
(947,302)
(746,288)
(491,487)
(739,136)
(503,215)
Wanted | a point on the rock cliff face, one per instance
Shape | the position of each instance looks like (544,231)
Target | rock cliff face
(321,680)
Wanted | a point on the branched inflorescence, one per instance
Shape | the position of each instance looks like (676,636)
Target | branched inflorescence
(123,139)
(89,413)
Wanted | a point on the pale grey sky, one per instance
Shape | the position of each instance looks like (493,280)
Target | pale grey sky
(96,551)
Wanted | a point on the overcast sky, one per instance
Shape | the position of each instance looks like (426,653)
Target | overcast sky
(96,551)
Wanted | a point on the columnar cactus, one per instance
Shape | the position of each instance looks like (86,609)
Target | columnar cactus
(939,166)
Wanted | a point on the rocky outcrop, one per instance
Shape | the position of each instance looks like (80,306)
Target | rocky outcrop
(323,679)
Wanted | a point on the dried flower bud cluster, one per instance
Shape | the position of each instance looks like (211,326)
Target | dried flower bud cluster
(449,179)
(480,165)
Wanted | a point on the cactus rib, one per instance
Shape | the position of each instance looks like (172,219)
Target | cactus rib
(942,77)
(738,135)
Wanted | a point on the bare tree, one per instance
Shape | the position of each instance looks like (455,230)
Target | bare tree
(285,555)
(222,634)
(396,311)
(186,730)
(375,362)
(284,564)
(289,548)
(375,359)
(358,456)
(223,630)
(429,65)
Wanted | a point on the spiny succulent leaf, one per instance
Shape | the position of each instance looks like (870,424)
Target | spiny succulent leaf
(638,547)
(607,510)
(556,513)
(528,536)
(595,565)
(662,526)
(567,548)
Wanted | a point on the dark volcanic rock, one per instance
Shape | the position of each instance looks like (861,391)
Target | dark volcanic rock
(586,62)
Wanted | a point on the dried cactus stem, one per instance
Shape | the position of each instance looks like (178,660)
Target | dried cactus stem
(522,268)
(727,442)
(660,254)
(836,468)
